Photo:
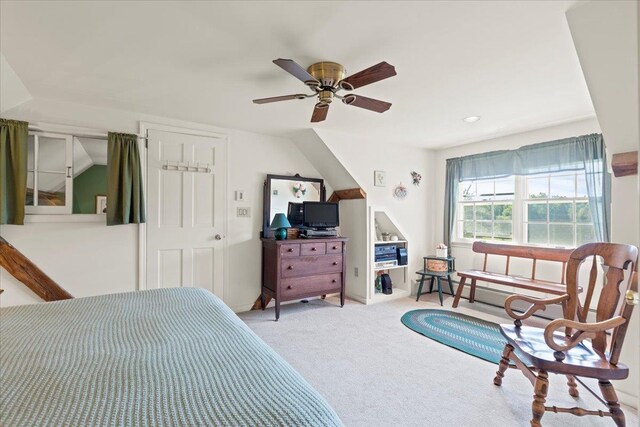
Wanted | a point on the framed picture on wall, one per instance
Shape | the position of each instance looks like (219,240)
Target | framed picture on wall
(101,204)
(380,178)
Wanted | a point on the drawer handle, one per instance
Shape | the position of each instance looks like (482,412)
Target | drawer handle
(335,262)
(313,249)
(290,267)
(289,287)
(334,281)
(335,247)
(290,250)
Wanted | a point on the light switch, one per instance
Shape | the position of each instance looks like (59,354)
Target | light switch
(243,212)
(239,196)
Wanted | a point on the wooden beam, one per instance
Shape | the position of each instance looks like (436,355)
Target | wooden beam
(624,164)
(349,194)
(20,267)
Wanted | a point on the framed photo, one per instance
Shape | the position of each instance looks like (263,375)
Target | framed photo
(101,204)
(380,178)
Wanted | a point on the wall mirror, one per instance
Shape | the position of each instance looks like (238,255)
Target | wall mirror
(285,194)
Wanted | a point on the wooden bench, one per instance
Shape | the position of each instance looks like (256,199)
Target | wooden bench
(513,251)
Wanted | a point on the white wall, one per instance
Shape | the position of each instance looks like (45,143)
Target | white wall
(606,36)
(90,258)
(361,157)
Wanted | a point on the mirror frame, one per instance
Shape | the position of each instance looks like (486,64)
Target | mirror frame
(266,230)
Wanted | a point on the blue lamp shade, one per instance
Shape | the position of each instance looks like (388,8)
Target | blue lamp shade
(279,226)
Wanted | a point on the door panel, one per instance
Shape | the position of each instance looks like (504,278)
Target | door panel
(186,211)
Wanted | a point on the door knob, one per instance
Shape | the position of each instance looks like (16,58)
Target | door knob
(218,237)
(632,297)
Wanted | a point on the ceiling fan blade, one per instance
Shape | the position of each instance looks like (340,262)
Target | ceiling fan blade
(279,98)
(373,74)
(319,112)
(292,67)
(367,103)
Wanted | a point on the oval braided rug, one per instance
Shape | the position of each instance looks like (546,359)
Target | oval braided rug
(469,334)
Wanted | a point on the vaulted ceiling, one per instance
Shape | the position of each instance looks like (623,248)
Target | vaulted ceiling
(512,63)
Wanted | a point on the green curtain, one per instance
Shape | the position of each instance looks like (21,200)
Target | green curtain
(585,153)
(125,199)
(13,170)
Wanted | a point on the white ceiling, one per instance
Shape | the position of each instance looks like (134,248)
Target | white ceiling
(512,63)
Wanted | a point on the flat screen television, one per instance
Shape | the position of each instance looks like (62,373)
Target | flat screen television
(321,214)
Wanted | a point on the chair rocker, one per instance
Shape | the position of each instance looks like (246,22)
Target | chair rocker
(584,349)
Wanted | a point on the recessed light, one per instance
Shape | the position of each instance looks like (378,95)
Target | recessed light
(471,119)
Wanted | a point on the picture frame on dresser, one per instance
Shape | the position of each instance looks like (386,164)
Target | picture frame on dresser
(279,191)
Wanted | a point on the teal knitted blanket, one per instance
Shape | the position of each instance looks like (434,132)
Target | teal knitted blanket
(166,357)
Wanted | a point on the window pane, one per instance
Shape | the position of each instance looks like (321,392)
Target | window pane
(483,212)
(581,185)
(468,190)
(52,154)
(31,140)
(584,234)
(468,212)
(485,190)
(537,233)
(583,212)
(505,188)
(29,201)
(503,230)
(51,189)
(484,229)
(563,187)
(537,212)
(538,188)
(561,212)
(561,234)
(503,212)
(468,229)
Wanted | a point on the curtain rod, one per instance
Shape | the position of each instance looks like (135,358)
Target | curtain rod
(76,134)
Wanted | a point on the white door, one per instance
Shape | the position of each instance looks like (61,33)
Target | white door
(186,205)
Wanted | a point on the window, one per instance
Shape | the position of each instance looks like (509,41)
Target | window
(49,173)
(65,174)
(487,209)
(547,209)
(557,210)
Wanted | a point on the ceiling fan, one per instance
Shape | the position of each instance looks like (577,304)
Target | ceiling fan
(327,78)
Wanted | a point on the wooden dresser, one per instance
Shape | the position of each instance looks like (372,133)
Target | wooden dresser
(301,268)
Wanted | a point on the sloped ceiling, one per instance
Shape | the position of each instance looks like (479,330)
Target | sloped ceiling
(513,63)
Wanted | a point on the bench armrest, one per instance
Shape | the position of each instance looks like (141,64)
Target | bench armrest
(536,304)
(582,332)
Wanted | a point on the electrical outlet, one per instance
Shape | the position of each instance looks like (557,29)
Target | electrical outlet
(355,271)
(239,196)
(243,212)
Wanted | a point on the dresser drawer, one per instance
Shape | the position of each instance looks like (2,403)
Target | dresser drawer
(334,248)
(313,249)
(311,285)
(290,250)
(310,265)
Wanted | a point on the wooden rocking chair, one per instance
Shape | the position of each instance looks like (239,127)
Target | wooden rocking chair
(545,351)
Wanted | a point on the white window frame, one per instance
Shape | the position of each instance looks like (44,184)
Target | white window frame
(68,206)
(493,220)
(519,213)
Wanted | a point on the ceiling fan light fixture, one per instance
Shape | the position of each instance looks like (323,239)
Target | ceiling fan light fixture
(471,119)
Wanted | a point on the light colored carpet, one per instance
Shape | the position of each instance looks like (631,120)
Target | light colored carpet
(375,371)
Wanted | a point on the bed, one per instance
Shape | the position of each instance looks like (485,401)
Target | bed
(166,357)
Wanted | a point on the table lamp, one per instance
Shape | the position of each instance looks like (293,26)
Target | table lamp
(279,226)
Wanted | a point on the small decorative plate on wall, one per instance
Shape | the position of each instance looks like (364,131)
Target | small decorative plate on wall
(400,192)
